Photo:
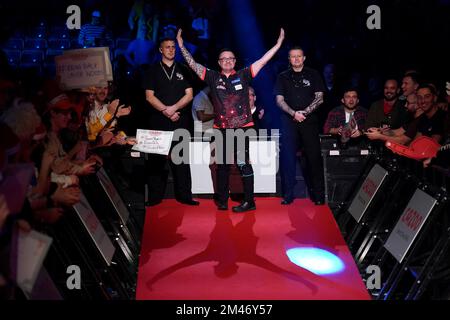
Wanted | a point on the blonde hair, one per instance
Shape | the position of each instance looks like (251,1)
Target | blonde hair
(22,118)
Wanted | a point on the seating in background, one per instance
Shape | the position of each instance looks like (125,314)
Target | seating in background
(35,43)
(13,57)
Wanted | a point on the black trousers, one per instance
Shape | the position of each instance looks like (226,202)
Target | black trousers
(305,134)
(241,157)
(156,173)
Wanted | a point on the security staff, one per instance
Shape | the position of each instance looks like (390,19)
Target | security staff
(299,92)
(169,93)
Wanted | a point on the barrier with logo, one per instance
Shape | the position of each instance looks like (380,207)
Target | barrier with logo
(401,226)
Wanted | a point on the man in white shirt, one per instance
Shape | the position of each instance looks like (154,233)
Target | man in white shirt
(202,112)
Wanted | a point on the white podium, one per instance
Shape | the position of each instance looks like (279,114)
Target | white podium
(263,157)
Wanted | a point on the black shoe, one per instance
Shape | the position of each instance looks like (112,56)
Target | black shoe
(151,203)
(222,206)
(189,202)
(287,201)
(245,206)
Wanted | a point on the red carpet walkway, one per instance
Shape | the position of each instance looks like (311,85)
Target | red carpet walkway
(202,253)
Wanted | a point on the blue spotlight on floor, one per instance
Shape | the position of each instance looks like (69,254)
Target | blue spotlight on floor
(318,261)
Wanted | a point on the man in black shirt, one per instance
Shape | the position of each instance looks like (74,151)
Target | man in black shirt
(299,92)
(230,98)
(169,93)
(429,123)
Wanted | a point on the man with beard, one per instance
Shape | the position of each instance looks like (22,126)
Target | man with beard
(340,116)
(429,122)
(389,111)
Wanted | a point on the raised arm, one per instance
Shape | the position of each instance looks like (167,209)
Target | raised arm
(197,67)
(257,65)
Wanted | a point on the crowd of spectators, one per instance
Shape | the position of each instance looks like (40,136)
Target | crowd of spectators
(63,136)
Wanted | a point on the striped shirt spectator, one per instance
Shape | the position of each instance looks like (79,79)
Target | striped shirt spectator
(94,34)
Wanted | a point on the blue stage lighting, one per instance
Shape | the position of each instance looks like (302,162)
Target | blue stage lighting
(318,261)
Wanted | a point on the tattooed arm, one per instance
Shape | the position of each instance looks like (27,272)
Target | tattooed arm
(197,67)
(257,65)
(284,106)
(396,135)
(318,100)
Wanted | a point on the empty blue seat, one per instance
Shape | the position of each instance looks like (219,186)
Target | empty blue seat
(31,44)
(62,44)
(38,32)
(32,57)
(13,57)
(59,33)
(14,44)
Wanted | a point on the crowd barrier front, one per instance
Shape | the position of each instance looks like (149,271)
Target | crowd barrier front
(397,220)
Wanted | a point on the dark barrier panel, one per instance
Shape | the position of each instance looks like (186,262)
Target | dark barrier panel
(101,237)
(397,220)
(343,167)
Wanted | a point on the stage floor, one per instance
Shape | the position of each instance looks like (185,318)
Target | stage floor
(200,253)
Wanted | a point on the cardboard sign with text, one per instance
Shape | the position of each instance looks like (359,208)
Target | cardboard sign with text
(82,68)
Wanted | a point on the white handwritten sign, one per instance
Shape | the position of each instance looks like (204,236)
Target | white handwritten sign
(104,51)
(77,69)
(32,248)
(153,141)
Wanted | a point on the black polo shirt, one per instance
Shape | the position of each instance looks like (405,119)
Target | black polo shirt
(229,97)
(169,85)
(299,88)
(427,126)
